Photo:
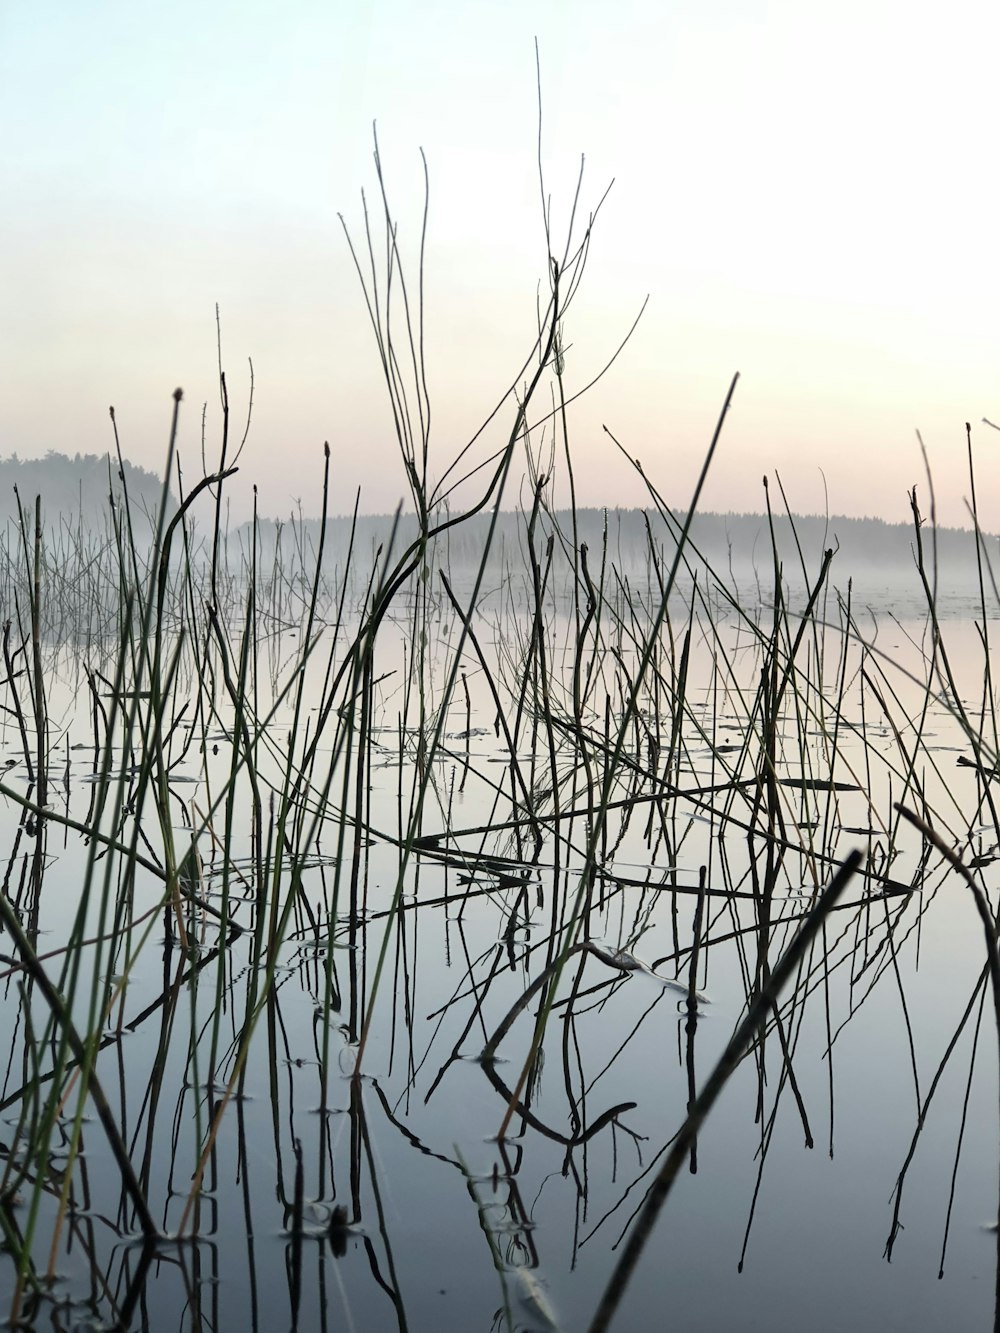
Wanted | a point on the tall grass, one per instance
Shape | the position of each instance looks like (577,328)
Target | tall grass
(686,771)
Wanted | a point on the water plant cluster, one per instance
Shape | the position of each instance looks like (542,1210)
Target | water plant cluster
(353,915)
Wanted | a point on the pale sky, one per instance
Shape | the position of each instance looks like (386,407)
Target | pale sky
(807,193)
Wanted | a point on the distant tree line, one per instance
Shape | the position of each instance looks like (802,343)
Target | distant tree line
(75,491)
(867,549)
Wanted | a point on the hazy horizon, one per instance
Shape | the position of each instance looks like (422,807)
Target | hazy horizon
(67,483)
(802,196)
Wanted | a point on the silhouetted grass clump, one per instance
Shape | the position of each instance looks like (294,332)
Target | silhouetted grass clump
(304,823)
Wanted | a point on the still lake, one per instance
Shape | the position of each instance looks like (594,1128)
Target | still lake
(371,872)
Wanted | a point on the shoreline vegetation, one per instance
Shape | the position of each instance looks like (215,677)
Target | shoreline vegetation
(75,492)
(743,544)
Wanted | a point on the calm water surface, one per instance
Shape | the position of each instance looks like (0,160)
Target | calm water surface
(884,1057)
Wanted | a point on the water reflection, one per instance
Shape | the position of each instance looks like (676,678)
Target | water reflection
(398,997)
